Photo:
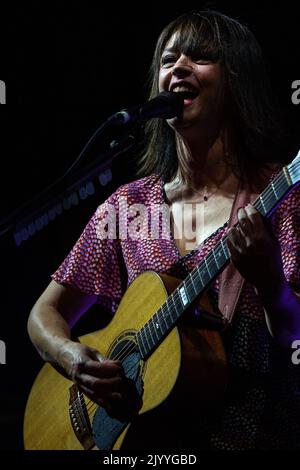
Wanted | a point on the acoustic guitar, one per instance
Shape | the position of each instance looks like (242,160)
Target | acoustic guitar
(157,350)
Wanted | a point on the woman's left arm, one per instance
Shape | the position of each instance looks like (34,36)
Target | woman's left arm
(256,254)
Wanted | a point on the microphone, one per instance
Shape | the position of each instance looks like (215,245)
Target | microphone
(165,105)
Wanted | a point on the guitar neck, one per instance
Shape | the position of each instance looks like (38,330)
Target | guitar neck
(198,280)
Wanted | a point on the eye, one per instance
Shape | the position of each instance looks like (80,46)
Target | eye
(168,60)
(202,61)
(203,58)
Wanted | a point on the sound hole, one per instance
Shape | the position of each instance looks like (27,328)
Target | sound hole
(106,429)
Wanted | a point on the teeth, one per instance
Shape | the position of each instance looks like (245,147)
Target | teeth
(182,89)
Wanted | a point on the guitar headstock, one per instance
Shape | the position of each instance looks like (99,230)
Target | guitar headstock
(294,169)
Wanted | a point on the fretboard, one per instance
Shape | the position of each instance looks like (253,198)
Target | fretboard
(198,280)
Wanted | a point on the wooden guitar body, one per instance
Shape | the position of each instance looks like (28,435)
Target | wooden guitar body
(169,358)
(58,416)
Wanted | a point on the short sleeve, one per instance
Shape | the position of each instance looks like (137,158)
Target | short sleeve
(95,264)
(287,229)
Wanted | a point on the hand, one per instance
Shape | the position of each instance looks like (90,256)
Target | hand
(254,250)
(100,379)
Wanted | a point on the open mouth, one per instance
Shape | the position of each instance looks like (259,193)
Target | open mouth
(188,94)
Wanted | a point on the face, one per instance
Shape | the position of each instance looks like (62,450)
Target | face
(199,79)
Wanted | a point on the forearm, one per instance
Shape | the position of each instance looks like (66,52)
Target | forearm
(48,331)
(282,310)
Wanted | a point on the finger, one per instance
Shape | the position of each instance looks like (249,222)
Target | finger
(91,394)
(105,368)
(114,397)
(237,239)
(109,364)
(95,355)
(245,223)
(254,217)
(262,227)
(114,384)
(101,399)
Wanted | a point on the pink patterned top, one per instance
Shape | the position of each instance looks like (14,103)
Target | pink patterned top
(267,411)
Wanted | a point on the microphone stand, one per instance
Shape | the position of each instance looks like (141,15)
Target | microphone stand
(35,214)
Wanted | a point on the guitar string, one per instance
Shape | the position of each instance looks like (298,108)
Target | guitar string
(127,349)
(209,258)
(130,348)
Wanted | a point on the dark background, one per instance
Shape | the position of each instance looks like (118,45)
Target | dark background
(67,68)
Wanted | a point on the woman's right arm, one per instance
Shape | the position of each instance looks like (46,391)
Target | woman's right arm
(51,319)
(49,328)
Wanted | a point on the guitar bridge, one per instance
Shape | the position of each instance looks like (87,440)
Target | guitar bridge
(79,418)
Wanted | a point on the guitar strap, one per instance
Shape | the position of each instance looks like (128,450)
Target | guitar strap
(231,281)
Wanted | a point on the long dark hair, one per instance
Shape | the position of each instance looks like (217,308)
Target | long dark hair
(251,108)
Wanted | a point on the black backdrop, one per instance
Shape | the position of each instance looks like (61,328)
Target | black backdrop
(67,68)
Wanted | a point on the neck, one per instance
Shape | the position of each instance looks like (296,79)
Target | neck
(204,162)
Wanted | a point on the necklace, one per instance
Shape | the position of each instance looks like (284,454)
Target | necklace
(206,196)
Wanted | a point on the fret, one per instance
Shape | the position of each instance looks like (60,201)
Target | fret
(213,265)
(225,249)
(258,206)
(168,308)
(155,327)
(294,169)
(215,258)
(274,190)
(271,202)
(287,176)
(172,299)
(196,281)
(204,275)
(263,205)
(164,315)
(195,289)
(158,323)
(177,305)
(150,333)
(183,295)
(283,183)
(141,344)
(285,186)
(205,261)
(220,255)
(147,337)
(198,273)
(144,340)
(189,286)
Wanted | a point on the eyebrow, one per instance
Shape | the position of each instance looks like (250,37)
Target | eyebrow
(170,49)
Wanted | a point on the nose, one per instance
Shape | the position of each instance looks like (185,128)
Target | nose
(182,68)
